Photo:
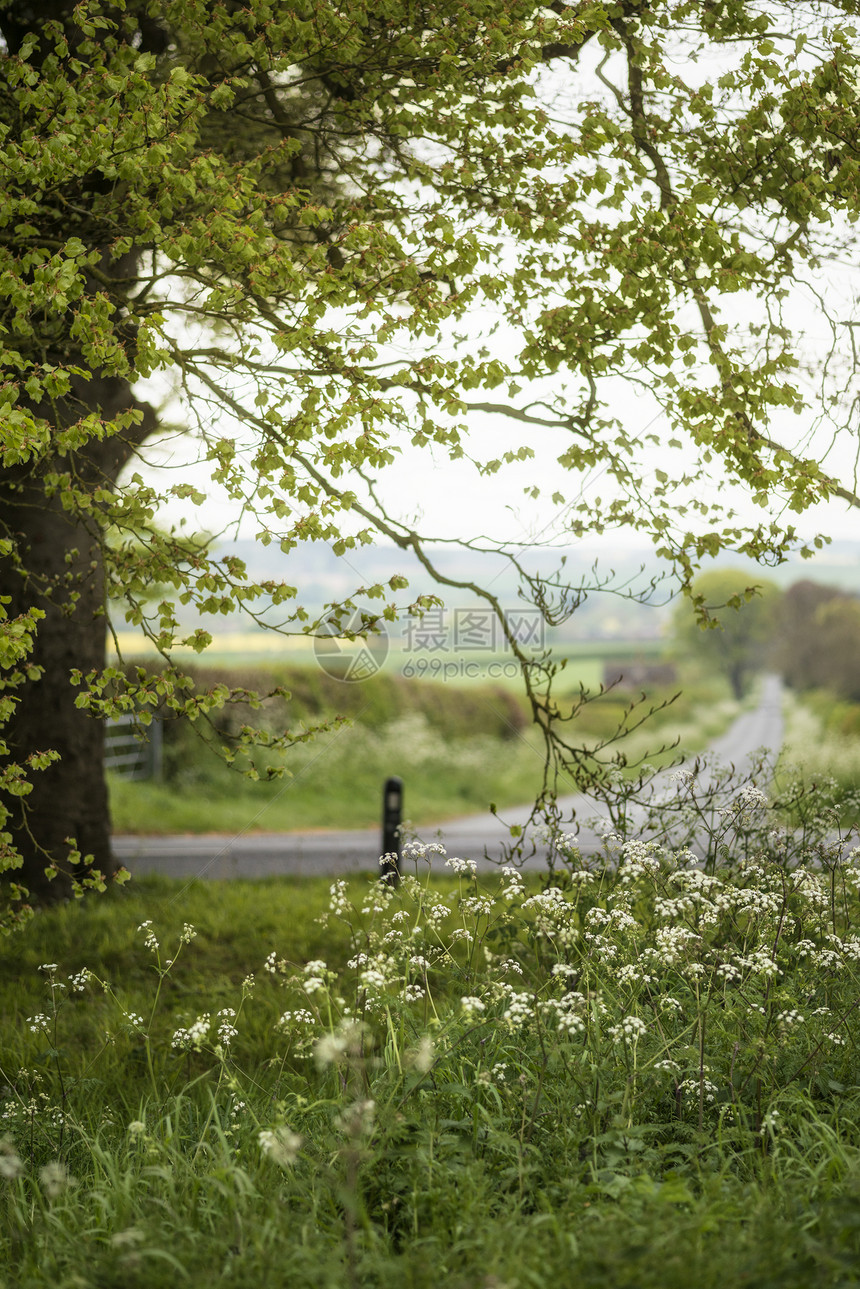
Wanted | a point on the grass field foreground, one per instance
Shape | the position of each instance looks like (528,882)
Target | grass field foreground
(638,1073)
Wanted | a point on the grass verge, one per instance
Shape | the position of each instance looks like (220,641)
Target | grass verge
(822,750)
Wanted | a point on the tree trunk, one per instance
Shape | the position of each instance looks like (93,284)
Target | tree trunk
(69,798)
(737,674)
(60,570)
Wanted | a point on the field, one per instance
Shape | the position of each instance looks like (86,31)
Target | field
(642,1075)
(458,747)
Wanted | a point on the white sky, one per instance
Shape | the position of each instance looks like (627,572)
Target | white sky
(453,501)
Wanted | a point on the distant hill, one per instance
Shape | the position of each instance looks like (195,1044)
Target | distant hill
(627,593)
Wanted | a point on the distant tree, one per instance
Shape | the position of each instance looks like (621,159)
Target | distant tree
(818,631)
(729,625)
(799,641)
(837,630)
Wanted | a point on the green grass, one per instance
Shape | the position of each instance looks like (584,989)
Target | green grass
(337,777)
(652,1079)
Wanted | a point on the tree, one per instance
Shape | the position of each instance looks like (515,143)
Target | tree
(733,630)
(817,639)
(300,213)
(798,646)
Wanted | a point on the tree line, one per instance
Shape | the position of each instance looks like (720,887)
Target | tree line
(808,632)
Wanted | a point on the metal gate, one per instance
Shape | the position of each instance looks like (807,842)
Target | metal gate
(132,750)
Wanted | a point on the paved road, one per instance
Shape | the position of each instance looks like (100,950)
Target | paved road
(327,853)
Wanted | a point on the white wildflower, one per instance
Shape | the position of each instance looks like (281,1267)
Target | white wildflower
(149,939)
(422,1057)
(192,1038)
(280,1144)
(631,1028)
(55,1178)
(357,1119)
(11,1164)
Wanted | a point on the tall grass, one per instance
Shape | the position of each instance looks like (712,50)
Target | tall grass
(640,1071)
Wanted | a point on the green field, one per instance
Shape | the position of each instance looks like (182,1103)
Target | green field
(246,649)
(457,748)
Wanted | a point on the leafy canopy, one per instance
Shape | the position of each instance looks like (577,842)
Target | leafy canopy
(310,220)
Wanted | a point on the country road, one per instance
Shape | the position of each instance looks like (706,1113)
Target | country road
(328,853)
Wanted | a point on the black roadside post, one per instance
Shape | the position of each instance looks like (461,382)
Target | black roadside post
(392,817)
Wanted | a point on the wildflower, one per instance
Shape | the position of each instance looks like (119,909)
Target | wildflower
(188,934)
(631,1027)
(226,1030)
(280,1144)
(136,1128)
(421,1059)
(339,902)
(569,1024)
(334,1047)
(55,1179)
(701,1087)
(300,1017)
(11,1165)
(357,1120)
(316,975)
(472,1007)
(477,905)
(519,1009)
(192,1038)
(80,980)
(463,867)
(149,939)
(769,1123)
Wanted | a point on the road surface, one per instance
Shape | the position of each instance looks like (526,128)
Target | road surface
(325,853)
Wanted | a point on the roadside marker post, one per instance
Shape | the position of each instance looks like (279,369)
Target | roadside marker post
(392,818)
